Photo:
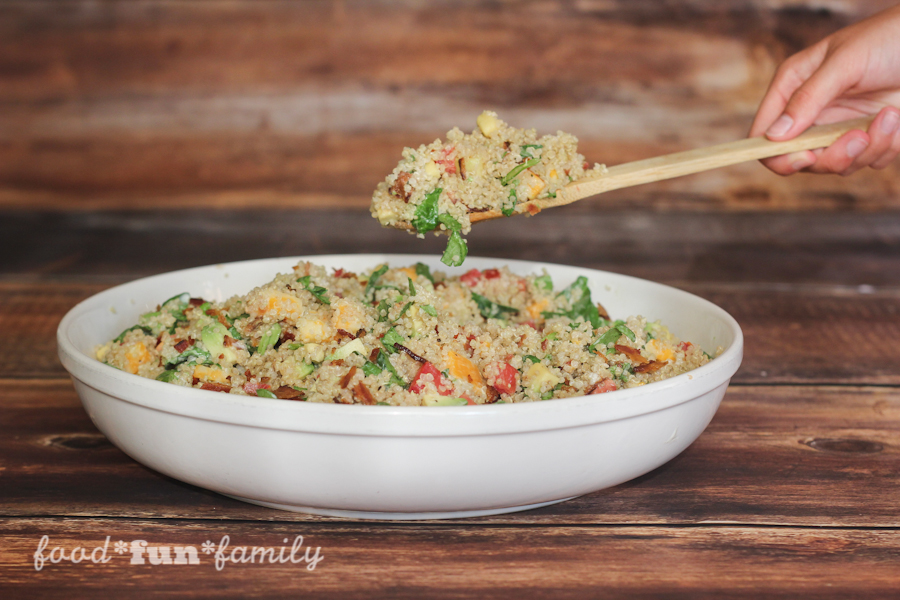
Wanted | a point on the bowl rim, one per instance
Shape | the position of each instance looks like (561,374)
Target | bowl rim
(408,421)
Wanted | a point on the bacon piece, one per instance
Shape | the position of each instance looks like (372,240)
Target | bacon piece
(633,355)
(184,345)
(212,312)
(216,387)
(461,163)
(343,333)
(602,312)
(287,336)
(651,367)
(286,392)
(345,380)
(492,396)
(373,356)
(228,342)
(342,274)
(532,209)
(363,394)
(398,189)
(196,301)
(478,210)
(411,354)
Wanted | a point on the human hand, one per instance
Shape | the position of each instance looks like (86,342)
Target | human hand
(852,73)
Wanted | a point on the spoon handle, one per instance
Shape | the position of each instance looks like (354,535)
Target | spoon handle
(703,159)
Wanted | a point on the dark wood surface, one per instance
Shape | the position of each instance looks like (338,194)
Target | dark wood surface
(281,104)
(144,136)
(792,490)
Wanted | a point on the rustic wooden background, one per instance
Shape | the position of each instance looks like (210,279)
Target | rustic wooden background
(245,103)
(140,136)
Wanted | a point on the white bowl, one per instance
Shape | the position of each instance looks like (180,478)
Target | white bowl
(384,462)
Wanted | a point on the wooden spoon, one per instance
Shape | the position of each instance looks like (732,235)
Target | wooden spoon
(685,163)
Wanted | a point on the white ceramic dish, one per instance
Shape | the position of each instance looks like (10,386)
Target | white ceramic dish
(397,462)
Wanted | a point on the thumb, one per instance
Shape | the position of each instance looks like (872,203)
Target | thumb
(807,101)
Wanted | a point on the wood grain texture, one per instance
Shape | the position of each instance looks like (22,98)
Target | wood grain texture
(144,136)
(769,457)
(785,248)
(267,104)
(452,561)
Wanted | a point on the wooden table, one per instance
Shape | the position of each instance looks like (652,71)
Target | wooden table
(793,489)
(144,136)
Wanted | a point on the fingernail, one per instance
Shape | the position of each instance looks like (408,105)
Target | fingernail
(781,126)
(800,160)
(889,122)
(856,146)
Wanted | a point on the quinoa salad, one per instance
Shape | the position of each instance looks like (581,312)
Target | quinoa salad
(401,337)
(495,168)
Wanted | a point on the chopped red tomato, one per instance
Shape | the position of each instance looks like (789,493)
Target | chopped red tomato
(443,159)
(470,278)
(491,273)
(251,386)
(685,346)
(468,400)
(607,385)
(507,380)
(417,386)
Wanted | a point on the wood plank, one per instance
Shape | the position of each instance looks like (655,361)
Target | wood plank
(768,457)
(60,49)
(143,170)
(261,104)
(840,337)
(453,561)
(28,323)
(792,248)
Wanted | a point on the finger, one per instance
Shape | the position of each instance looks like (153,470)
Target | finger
(839,157)
(888,157)
(805,104)
(788,164)
(788,77)
(882,133)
